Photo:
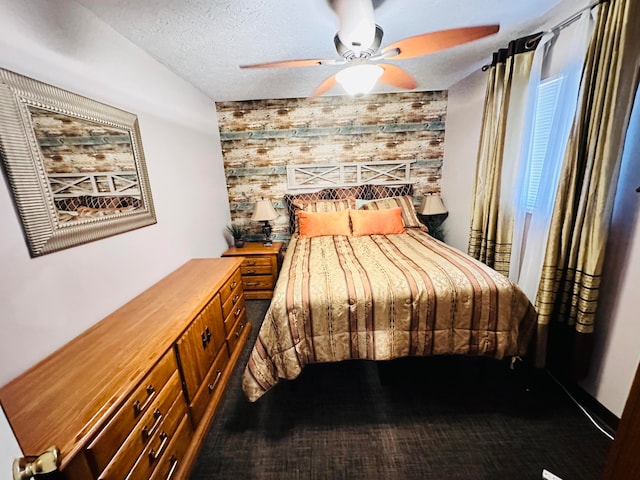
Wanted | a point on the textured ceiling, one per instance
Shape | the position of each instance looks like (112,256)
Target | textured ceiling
(205,41)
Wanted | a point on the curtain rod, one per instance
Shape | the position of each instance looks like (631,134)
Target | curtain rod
(563,24)
(569,20)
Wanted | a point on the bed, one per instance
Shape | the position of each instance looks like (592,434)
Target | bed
(380,293)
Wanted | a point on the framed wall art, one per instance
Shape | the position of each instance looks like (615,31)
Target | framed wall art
(75,166)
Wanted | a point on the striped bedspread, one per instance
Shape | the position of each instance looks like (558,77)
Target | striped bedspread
(381,297)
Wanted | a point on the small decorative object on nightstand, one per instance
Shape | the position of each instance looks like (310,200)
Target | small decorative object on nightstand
(433,213)
(263,213)
(259,269)
(238,232)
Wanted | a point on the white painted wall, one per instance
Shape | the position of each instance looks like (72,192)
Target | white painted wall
(46,301)
(462,136)
(617,350)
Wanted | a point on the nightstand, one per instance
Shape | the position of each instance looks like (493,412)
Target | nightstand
(259,269)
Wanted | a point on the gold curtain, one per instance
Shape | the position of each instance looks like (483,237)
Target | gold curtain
(502,127)
(568,292)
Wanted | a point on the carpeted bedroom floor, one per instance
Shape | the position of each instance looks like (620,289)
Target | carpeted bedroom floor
(430,418)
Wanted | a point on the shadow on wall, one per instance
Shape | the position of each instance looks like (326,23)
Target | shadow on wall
(624,223)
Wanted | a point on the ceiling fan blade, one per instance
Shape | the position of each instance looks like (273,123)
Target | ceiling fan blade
(324,87)
(436,41)
(397,77)
(294,63)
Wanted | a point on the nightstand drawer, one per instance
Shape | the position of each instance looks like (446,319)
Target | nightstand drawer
(258,282)
(257,270)
(257,261)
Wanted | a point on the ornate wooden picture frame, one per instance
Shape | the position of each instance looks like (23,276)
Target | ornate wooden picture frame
(75,166)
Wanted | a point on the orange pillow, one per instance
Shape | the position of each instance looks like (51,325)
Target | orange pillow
(324,223)
(376,222)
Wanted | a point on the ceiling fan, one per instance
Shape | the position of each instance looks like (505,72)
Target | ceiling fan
(358,43)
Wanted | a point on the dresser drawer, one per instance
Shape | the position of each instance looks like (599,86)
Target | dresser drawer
(157,447)
(172,459)
(229,286)
(208,388)
(234,298)
(150,423)
(233,316)
(234,335)
(258,282)
(143,399)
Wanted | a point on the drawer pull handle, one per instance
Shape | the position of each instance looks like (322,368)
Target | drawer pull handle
(138,407)
(236,297)
(153,455)
(240,330)
(206,337)
(237,312)
(233,285)
(250,272)
(250,263)
(146,431)
(174,466)
(212,386)
(252,284)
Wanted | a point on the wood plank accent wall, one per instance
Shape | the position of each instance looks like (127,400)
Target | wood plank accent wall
(261,137)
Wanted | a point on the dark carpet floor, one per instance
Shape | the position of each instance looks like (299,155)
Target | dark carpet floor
(428,418)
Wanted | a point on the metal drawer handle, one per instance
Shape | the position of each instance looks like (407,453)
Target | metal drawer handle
(250,263)
(237,312)
(252,284)
(174,466)
(233,285)
(153,455)
(206,337)
(236,297)
(250,272)
(146,431)
(138,407)
(212,386)
(240,330)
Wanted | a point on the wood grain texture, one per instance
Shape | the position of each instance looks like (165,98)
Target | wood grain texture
(259,269)
(261,137)
(68,396)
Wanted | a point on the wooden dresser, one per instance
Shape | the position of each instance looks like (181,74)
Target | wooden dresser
(259,269)
(133,396)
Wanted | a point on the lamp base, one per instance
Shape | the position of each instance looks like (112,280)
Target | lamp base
(266,230)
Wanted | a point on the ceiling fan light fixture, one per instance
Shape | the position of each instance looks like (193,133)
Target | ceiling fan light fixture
(359,79)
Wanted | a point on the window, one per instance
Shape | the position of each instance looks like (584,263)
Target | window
(546,103)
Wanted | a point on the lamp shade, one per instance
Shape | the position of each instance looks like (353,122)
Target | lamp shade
(264,211)
(432,205)
(359,79)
